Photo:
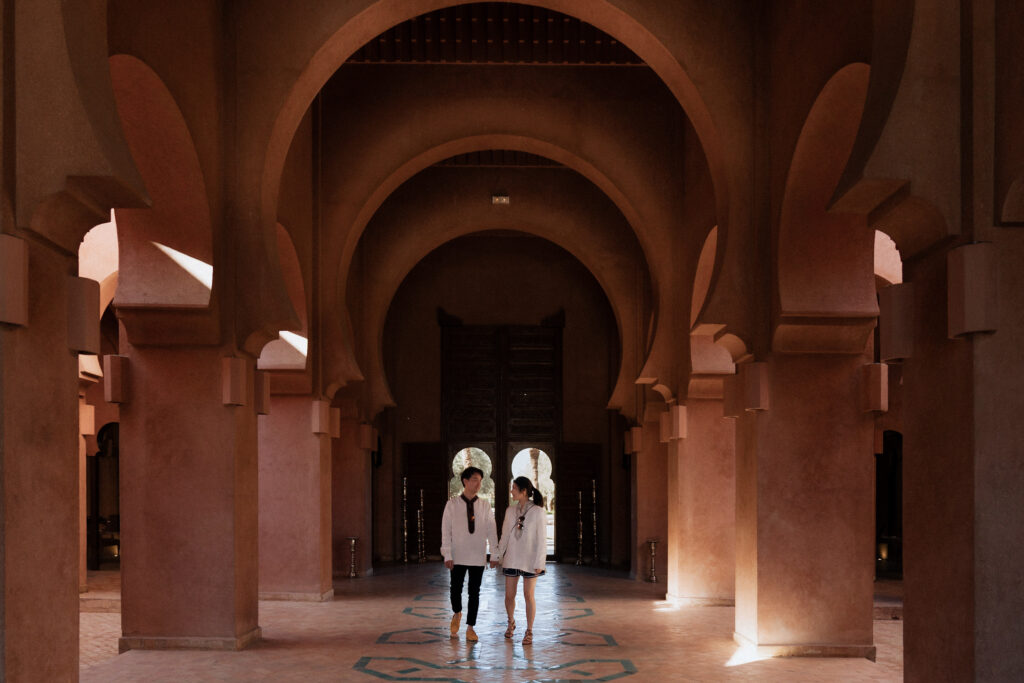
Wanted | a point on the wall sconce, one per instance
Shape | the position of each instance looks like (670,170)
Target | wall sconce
(500,199)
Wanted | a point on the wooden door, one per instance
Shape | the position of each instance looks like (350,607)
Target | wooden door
(424,468)
(578,465)
(501,389)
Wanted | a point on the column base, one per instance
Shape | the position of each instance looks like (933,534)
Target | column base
(189,643)
(326,596)
(686,601)
(806,650)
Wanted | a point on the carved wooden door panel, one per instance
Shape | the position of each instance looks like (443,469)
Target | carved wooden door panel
(501,389)
(423,466)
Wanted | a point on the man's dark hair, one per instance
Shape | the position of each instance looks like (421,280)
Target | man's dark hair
(470,471)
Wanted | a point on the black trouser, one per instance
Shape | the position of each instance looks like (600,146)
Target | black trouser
(476,575)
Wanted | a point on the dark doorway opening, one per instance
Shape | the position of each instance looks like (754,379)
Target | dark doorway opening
(889,507)
(103,518)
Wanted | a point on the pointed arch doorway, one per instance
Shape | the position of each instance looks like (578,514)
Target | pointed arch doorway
(501,395)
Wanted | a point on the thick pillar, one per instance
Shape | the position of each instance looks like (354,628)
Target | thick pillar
(650,496)
(999,473)
(39,457)
(295,502)
(188,448)
(352,498)
(962,476)
(702,512)
(83,513)
(938,489)
(86,427)
(804,508)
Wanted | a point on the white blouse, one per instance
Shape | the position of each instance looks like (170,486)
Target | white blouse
(525,549)
(457,543)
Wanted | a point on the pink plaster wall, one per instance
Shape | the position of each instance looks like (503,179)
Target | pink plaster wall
(747,539)
(38,446)
(999,475)
(294,477)
(812,460)
(939,498)
(352,504)
(105,413)
(673,508)
(704,527)
(651,505)
(188,499)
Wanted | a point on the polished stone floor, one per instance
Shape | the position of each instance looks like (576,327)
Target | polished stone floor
(591,626)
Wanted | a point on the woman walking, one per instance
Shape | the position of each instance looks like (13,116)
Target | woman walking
(522,551)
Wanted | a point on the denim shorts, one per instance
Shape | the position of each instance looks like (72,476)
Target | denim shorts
(520,572)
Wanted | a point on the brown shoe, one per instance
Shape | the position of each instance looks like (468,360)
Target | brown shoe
(528,637)
(471,635)
(511,628)
(454,626)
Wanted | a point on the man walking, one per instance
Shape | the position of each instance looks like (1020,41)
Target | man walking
(467,526)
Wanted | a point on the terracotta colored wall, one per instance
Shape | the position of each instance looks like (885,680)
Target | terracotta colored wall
(814,506)
(352,501)
(105,413)
(703,529)
(38,445)
(495,280)
(650,506)
(294,483)
(999,475)
(747,509)
(938,489)
(188,499)
(155,33)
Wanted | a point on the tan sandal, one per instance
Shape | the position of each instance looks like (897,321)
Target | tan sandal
(511,628)
(454,625)
(528,637)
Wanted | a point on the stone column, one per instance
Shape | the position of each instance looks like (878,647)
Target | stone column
(188,442)
(804,507)
(86,427)
(962,473)
(39,461)
(702,518)
(352,494)
(295,501)
(650,497)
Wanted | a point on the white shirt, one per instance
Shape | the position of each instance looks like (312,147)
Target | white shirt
(457,543)
(528,550)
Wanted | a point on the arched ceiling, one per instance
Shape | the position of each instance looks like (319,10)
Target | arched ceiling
(627,146)
(445,202)
(331,34)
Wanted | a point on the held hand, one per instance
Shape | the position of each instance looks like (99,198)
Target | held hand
(494,564)
(449,563)
(539,571)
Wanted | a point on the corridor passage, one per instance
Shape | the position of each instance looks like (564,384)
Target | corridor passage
(591,626)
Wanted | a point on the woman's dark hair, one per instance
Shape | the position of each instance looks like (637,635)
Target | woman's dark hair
(524,484)
(470,471)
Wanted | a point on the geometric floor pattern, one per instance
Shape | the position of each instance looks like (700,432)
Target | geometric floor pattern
(591,625)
